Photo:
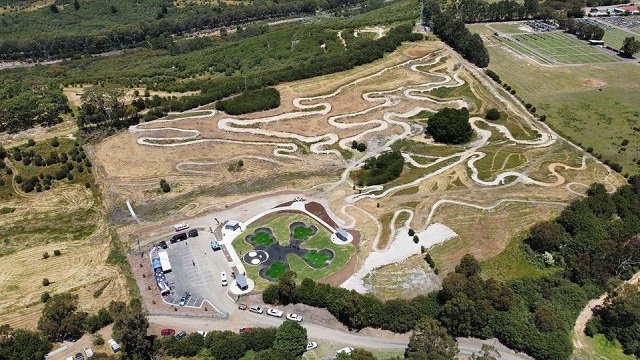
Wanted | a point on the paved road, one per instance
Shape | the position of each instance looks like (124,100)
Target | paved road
(320,333)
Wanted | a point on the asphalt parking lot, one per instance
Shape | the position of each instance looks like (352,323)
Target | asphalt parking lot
(196,269)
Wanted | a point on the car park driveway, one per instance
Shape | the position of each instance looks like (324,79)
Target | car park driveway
(196,269)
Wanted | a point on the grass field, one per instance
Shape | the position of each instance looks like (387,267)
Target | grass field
(599,347)
(262,238)
(301,232)
(275,270)
(508,28)
(563,48)
(574,106)
(615,37)
(512,263)
(316,258)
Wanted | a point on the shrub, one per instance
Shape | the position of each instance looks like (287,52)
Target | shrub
(492,114)
(56,253)
(45,282)
(416,239)
(354,144)
(31,142)
(55,142)
(45,297)
(97,340)
(411,232)
(625,142)
(362,147)
(45,255)
(18,179)
(165,187)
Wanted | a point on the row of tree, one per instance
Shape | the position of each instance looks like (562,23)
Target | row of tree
(451,29)
(250,101)
(581,30)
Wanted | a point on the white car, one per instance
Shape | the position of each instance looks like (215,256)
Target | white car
(294,317)
(181,226)
(255,309)
(348,350)
(274,312)
(203,333)
(223,279)
(311,345)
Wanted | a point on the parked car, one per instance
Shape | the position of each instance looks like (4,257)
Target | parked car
(274,312)
(345,351)
(193,233)
(223,279)
(242,306)
(89,352)
(203,333)
(167,332)
(163,244)
(245,329)
(71,337)
(78,357)
(181,226)
(185,298)
(114,345)
(181,334)
(294,317)
(255,309)
(178,237)
(311,345)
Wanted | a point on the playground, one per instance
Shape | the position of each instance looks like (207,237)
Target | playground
(280,242)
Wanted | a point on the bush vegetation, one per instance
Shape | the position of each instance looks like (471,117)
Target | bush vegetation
(381,169)
(450,126)
(250,101)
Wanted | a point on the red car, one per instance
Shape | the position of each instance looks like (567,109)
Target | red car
(245,329)
(167,332)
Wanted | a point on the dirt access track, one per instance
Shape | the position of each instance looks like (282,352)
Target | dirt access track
(304,147)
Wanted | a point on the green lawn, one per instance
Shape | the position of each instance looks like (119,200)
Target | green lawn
(564,49)
(316,258)
(599,347)
(301,232)
(509,28)
(512,263)
(275,270)
(262,238)
(615,37)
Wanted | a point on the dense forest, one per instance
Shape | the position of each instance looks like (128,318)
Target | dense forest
(63,30)
(24,106)
(591,243)
(216,68)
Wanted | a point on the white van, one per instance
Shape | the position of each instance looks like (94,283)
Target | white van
(114,345)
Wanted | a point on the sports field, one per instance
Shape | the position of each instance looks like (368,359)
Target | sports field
(564,49)
(615,37)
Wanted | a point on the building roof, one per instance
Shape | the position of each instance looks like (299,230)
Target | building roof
(241,280)
(629,8)
(232,223)
(156,263)
(342,232)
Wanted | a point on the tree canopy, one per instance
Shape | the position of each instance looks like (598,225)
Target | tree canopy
(630,46)
(450,126)
(291,339)
(22,344)
(430,341)
(59,317)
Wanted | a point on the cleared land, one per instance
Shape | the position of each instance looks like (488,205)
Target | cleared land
(577,100)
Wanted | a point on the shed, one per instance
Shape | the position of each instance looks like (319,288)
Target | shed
(241,281)
(342,234)
(232,225)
